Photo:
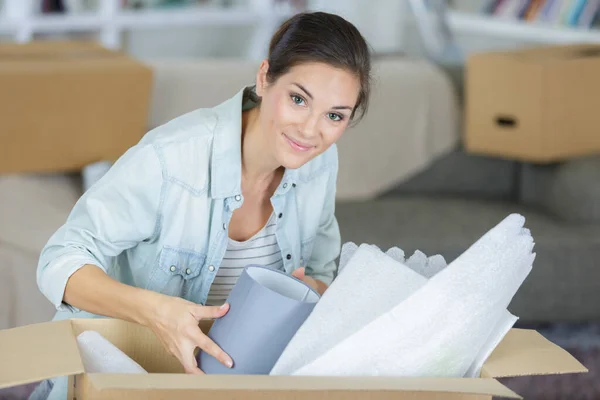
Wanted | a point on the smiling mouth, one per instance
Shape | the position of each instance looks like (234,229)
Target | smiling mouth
(296,145)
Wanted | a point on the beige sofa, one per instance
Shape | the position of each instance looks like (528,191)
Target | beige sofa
(413,119)
(31,208)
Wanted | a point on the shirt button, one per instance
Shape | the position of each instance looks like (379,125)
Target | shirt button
(211,268)
(238,197)
(224,226)
(280,215)
(289,256)
(284,185)
(173,268)
(188,271)
(293,185)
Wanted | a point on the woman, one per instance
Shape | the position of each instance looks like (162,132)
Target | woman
(163,236)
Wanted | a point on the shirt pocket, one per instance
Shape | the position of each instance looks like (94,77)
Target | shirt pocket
(176,266)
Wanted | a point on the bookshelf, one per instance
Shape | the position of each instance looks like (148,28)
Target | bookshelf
(544,21)
(21,20)
(450,30)
(470,23)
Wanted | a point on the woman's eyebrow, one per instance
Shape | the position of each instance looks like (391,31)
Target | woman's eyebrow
(304,90)
(311,97)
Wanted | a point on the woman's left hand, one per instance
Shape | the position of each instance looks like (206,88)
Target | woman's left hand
(316,284)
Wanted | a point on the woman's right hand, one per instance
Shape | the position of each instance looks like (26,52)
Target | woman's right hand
(175,322)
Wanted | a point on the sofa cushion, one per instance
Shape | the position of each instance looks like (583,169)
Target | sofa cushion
(564,283)
(569,190)
(21,302)
(33,207)
(461,173)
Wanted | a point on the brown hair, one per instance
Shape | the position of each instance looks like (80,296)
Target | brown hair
(326,38)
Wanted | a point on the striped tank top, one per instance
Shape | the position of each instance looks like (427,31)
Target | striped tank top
(262,249)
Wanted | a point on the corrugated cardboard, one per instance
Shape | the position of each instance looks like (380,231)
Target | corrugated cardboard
(64,105)
(536,105)
(36,352)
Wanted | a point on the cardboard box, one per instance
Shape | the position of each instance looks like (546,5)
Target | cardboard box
(37,352)
(536,105)
(64,105)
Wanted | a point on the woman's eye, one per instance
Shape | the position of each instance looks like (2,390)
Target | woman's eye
(335,117)
(297,99)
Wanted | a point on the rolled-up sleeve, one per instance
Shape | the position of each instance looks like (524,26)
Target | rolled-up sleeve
(118,212)
(327,242)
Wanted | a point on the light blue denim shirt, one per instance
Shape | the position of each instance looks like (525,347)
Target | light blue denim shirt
(159,218)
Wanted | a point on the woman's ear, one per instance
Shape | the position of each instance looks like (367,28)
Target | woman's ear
(261,78)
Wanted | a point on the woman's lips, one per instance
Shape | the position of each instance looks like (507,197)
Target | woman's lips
(297,145)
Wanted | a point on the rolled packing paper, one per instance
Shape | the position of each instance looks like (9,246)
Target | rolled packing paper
(267,307)
(101,356)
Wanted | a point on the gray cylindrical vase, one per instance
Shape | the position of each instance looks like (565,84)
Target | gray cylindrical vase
(267,307)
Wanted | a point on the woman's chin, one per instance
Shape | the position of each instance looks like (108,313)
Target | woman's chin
(295,161)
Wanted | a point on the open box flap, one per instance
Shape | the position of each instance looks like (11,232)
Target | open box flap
(36,352)
(527,352)
(267,383)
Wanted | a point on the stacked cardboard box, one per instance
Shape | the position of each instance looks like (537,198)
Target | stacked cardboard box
(534,104)
(64,105)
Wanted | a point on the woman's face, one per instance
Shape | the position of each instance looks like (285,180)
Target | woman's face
(306,110)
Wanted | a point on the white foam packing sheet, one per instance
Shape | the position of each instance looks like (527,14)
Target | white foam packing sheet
(371,284)
(506,322)
(380,317)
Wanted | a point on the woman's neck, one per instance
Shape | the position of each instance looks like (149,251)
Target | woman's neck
(259,168)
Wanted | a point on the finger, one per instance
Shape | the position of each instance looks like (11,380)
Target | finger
(299,273)
(203,312)
(208,346)
(312,283)
(190,365)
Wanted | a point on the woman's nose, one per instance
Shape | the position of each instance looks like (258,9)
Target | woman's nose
(310,127)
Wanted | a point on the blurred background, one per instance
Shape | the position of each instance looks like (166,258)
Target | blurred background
(479,109)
